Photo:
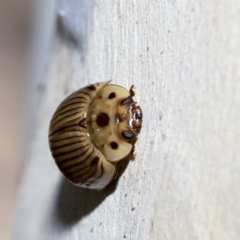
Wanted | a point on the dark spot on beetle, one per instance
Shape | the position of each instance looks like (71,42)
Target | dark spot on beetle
(82,123)
(114,145)
(127,135)
(102,120)
(127,100)
(112,95)
(91,87)
(88,184)
(95,161)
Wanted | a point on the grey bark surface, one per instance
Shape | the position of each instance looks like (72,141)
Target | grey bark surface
(183,58)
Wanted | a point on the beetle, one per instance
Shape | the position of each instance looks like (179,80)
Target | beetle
(92,130)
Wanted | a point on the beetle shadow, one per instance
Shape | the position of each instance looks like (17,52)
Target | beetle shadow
(74,203)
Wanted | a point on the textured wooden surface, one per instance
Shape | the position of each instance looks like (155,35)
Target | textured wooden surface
(184,61)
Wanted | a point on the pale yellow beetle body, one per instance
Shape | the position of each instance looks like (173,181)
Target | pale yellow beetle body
(91,131)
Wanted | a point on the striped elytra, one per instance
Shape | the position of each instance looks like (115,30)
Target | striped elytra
(92,130)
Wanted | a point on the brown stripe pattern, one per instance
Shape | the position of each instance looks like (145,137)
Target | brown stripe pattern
(71,147)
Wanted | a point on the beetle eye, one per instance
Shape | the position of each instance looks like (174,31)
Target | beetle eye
(127,135)
(127,100)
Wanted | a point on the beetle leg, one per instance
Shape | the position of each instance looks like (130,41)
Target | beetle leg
(132,91)
(133,153)
(116,175)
